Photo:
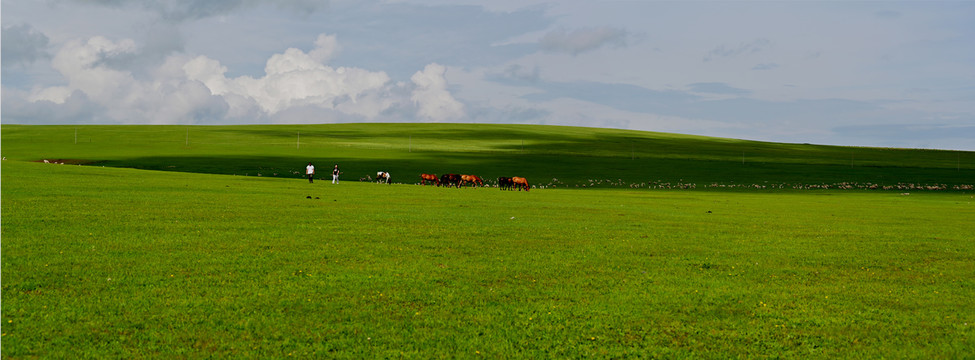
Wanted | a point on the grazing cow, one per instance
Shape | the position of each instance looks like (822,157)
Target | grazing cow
(450,179)
(504,183)
(472,179)
(382,176)
(429,177)
(520,182)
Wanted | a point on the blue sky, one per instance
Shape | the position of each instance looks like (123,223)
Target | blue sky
(870,73)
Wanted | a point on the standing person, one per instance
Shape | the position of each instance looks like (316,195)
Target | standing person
(335,175)
(310,171)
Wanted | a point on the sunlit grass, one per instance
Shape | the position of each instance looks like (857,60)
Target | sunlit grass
(108,263)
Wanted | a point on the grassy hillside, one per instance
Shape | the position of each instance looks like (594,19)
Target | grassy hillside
(547,155)
(126,263)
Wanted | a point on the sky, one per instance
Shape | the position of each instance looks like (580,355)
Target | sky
(861,73)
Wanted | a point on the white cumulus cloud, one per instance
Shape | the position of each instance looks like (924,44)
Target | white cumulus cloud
(123,97)
(292,78)
(431,95)
(196,89)
(325,47)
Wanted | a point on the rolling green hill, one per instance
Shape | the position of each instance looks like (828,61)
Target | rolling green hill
(117,260)
(547,155)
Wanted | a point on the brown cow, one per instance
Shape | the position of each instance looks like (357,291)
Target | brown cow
(429,177)
(520,182)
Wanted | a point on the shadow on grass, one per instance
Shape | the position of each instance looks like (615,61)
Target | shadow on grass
(563,170)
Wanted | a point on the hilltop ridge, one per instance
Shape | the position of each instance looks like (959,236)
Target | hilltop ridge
(554,156)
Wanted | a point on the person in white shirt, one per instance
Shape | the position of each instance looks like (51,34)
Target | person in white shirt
(310,171)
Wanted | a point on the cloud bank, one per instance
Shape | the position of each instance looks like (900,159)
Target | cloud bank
(22,45)
(581,40)
(196,90)
(187,10)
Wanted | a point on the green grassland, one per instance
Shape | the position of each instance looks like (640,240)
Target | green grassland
(116,259)
(573,156)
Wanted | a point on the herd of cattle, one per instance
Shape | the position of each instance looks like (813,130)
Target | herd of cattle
(458,180)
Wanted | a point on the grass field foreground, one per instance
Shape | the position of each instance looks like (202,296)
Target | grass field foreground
(108,262)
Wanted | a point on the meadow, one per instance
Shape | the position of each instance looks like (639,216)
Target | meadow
(159,247)
(547,155)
